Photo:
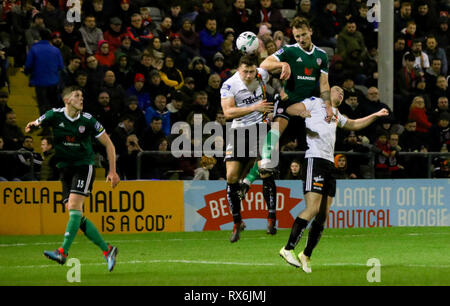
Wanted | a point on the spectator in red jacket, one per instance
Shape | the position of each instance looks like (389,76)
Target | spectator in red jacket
(417,112)
(103,55)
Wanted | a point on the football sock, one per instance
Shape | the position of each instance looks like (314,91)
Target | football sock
(252,175)
(71,229)
(270,195)
(314,235)
(296,233)
(270,143)
(92,234)
(234,201)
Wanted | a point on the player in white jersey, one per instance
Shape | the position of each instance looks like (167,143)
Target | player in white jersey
(244,100)
(319,183)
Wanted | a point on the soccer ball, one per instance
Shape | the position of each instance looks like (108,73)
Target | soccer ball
(247,42)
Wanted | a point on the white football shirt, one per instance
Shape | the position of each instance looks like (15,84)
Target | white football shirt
(245,96)
(321,135)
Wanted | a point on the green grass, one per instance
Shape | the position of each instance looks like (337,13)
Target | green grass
(408,256)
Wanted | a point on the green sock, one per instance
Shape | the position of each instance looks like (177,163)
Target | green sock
(269,143)
(90,230)
(71,229)
(252,175)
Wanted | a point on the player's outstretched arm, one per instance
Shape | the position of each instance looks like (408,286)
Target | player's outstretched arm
(112,176)
(298,109)
(31,126)
(325,95)
(273,65)
(361,123)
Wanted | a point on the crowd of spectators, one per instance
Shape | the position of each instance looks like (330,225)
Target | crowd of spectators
(144,65)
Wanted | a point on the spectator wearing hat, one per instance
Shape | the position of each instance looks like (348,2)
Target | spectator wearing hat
(132,109)
(137,89)
(70,34)
(112,34)
(140,36)
(199,71)
(133,54)
(210,40)
(170,75)
(104,55)
(123,71)
(177,51)
(80,50)
(190,38)
(66,52)
(43,64)
(53,16)
(156,86)
(218,63)
(188,92)
(91,33)
(32,34)
(159,109)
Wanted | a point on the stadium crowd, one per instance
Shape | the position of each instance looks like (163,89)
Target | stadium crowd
(144,65)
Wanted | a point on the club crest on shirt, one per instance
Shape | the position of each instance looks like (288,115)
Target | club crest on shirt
(81,129)
(319,61)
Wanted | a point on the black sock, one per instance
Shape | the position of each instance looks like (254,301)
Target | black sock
(270,195)
(234,201)
(296,233)
(315,233)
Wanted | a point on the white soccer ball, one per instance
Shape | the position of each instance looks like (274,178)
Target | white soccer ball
(247,42)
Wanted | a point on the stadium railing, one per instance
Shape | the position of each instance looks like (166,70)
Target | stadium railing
(11,166)
(300,154)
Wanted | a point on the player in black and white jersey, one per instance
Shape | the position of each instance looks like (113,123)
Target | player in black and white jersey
(244,101)
(319,183)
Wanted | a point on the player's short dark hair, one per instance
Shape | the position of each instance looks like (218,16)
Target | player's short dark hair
(300,22)
(249,60)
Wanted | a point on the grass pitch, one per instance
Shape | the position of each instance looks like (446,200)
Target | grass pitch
(408,256)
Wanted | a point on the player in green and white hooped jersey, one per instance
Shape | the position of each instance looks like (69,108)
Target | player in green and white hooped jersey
(302,65)
(73,131)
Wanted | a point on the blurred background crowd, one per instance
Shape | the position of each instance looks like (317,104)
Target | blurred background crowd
(144,65)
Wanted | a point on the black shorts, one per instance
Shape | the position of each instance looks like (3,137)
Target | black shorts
(77,179)
(319,176)
(281,106)
(245,143)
